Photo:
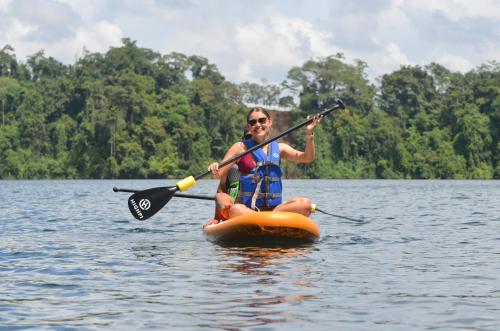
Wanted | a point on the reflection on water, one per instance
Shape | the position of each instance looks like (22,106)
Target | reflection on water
(270,282)
(249,287)
(259,260)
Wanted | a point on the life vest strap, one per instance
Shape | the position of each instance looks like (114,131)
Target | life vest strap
(257,178)
(261,194)
(266,163)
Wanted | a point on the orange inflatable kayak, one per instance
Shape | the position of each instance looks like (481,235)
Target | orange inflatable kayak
(265,227)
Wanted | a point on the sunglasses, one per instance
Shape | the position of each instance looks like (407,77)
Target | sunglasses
(261,120)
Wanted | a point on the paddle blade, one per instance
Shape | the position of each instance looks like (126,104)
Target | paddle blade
(145,204)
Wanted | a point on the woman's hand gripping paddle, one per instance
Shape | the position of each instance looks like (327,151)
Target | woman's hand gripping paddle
(145,204)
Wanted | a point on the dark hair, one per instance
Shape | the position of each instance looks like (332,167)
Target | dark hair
(246,134)
(259,110)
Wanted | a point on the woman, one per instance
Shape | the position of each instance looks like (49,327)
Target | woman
(228,188)
(260,181)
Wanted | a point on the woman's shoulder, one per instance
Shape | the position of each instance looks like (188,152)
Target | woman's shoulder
(237,147)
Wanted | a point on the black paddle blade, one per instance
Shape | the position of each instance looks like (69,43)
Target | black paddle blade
(145,204)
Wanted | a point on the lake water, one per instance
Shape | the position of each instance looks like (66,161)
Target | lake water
(425,255)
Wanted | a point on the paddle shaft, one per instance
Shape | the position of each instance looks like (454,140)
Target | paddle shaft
(339,105)
(178,195)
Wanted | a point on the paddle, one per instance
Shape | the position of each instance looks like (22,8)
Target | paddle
(145,204)
(203,197)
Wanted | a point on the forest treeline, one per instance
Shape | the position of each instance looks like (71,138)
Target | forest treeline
(136,113)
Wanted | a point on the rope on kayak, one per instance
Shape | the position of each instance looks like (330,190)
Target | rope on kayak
(339,216)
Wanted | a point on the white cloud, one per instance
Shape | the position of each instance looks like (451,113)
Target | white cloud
(17,30)
(395,54)
(456,9)
(245,72)
(95,39)
(281,43)
(4,4)
(386,59)
(383,45)
(266,46)
(455,63)
(393,18)
(88,10)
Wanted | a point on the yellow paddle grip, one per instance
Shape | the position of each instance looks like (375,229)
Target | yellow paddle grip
(186,183)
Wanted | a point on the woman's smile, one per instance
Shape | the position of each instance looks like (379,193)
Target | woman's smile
(259,126)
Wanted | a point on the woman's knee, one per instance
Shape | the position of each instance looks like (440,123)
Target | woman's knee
(239,209)
(221,196)
(299,205)
(304,203)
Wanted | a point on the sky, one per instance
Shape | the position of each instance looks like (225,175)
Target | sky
(260,40)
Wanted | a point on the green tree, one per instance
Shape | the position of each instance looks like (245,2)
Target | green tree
(132,112)
(317,82)
(8,62)
(10,96)
(473,140)
(406,93)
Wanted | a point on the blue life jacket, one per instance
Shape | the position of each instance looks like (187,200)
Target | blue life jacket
(262,186)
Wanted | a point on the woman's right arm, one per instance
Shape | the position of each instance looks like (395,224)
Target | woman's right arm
(234,150)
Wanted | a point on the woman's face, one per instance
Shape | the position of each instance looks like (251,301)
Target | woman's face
(258,124)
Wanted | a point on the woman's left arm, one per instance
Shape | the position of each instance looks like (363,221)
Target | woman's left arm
(307,156)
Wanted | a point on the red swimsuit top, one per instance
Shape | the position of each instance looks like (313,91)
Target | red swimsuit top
(246,164)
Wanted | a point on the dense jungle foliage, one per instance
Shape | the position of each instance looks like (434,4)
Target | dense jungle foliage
(135,113)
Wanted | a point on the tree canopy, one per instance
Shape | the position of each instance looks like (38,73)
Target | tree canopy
(136,113)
